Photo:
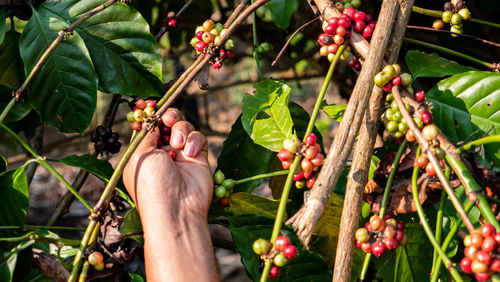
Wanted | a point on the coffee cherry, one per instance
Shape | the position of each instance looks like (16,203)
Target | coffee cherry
(456,19)
(396,80)
(299,176)
(392,222)
(317,160)
(399,235)
(362,235)
(307,174)
(430,132)
(446,17)
(495,265)
(310,139)
(375,222)
(332,48)
(350,12)
(420,96)
(172,23)
(470,252)
(392,126)
(419,122)
(345,22)
(330,29)
(149,111)
(130,118)
(200,46)
(438,24)
(357,66)
(140,104)
(274,272)
(467,240)
(367,32)
(489,244)
(285,155)
(280,260)
(260,246)
(310,153)
(366,247)
(476,239)
(224,202)
(483,257)
(286,164)
(378,248)
(478,267)
(228,184)
(482,276)
(219,177)
(290,252)
(291,145)
(466,264)
(220,192)
(229,45)
(136,125)
(410,136)
(95,258)
(487,230)
(300,184)
(426,117)
(310,182)
(391,243)
(389,231)
(429,169)
(99,266)
(281,242)
(359,26)
(465,14)
(306,165)
(338,39)
(208,25)
(406,79)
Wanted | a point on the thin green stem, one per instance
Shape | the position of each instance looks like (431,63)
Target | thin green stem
(385,198)
(256,44)
(423,219)
(472,188)
(439,222)
(45,164)
(288,183)
(93,225)
(480,141)
(447,240)
(86,265)
(494,200)
(7,109)
(260,176)
(390,179)
(448,51)
(439,14)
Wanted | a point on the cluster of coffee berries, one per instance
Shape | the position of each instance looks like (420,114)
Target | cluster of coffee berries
(264,47)
(378,235)
(309,165)
(165,132)
(223,188)
(354,63)
(352,3)
(337,29)
(97,260)
(142,110)
(105,140)
(170,22)
(455,13)
(430,133)
(283,252)
(482,252)
(394,121)
(209,33)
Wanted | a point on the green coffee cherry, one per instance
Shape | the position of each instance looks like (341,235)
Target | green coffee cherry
(392,126)
(446,17)
(219,177)
(456,19)
(389,114)
(280,260)
(130,116)
(220,192)
(406,79)
(419,122)
(465,14)
(260,246)
(229,45)
(228,184)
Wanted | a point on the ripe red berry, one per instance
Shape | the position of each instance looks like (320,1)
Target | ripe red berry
(151,103)
(310,152)
(378,249)
(290,252)
(359,16)
(367,32)
(429,169)
(307,174)
(422,161)
(495,265)
(345,22)
(478,267)
(368,18)
(310,182)
(199,34)
(483,257)
(470,252)
(426,117)
(366,247)
(332,48)
(487,230)
(401,225)
(274,272)
(420,96)
(140,104)
(306,165)
(281,242)
(465,264)
(338,39)
(317,160)
(351,63)
(489,244)
(388,87)
(357,66)
(396,80)
(476,239)
(376,223)
(172,154)
(310,139)
(321,39)
(298,176)
(200,46)
(399,235)
(391,243)
(330,29)
(172,23)
(229,54)
(340,30)
(334,21)
(286,164)
(216,65)
(222,54)
(483,276)
(349,11)
(136,125)
(358,244)
(285,155)
(347,34)
(389,231)
(359,26)
(224,202)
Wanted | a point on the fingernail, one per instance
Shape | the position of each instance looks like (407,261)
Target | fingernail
(177,139)
(189,150)
(172,115)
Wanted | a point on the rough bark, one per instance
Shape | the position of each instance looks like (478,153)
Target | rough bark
(306,218)
(358,175)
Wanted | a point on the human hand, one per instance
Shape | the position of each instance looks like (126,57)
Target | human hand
(183,185)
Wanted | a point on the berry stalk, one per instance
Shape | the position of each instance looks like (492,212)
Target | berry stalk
(260,176)
(288,184)
(439,223)
(478,142)
(423,219)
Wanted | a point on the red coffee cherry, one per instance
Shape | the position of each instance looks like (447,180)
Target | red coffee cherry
(281,242)
(420,96)
(290,252)
(310,139)
(274,272)
(466,264)
(378,249)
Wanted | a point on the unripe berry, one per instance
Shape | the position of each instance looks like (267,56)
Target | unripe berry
(430,132)
(406,79)
(261,246)
(99,266)
(95,258)
(362,235)
(228,184)
(291,145)
(219,177)
(220,192)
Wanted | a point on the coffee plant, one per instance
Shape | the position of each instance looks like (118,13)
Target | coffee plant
(400,183)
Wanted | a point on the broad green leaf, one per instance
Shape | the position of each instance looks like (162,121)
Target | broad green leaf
(3,163)
(135,277)
(2,24)
(14,199)
(281,11)
(244,203)
(308,266)
(20,109)
(125,55)
(266,117)
(64,92)
(466,106)
(373,166)
(327,229)
(131,223)
(11,64)
(241,158)
(431,65)
(98,167)
(334,111)
(8,265)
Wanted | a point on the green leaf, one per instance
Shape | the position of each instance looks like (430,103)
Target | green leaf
(135,277)
(334,111)
(131,223)
(281,11)
(308,266)
(11,64)
(64,92)
(244,203)
(2,24)
(8,265)
(266,117)
(98,167)
(467,106)
(19,111)
(125,55)
(241,158)
(431,65)
(14,198)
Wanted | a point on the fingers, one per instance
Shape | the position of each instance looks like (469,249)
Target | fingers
(195,143)
(171,116)
(180,132)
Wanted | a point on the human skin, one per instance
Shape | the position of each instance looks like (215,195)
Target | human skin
(173,198)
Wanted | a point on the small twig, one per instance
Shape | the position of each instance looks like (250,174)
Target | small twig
(290,40)
(451,32)
(431,156)
(165,27)
(37,146)
(235,13)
